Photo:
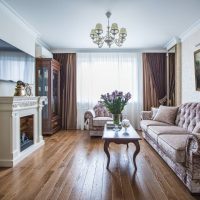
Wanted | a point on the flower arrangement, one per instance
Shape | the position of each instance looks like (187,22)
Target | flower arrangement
(115,101)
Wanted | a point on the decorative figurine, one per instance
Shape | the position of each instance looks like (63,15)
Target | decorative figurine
(20,89)
(23,89)
(125,124)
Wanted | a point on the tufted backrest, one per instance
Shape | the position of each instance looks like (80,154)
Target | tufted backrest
(101,111)
(188,116)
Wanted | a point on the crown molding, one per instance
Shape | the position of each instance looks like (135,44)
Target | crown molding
(172,42)
(192,29)
(175,40)
(40,42)
(96,50)
(15,16)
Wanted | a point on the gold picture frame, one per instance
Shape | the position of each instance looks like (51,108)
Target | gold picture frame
(197,69)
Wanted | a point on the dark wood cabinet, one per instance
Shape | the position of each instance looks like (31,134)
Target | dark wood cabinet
(48,84)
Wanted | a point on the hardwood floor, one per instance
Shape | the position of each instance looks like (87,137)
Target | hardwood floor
(72,166)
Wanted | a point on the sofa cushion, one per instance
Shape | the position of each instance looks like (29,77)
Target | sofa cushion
(166,114)
(168,129)
(101,121)
(155,131)
(145,123)
(174,146)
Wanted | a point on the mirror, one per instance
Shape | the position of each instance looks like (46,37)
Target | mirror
(197,69)
(15,64)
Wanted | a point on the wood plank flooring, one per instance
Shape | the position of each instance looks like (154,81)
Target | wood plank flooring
(72,166)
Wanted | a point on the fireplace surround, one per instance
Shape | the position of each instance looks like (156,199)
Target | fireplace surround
(20,128)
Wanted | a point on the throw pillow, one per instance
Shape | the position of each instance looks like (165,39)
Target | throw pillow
(166,114)
(100,110)
(154,111)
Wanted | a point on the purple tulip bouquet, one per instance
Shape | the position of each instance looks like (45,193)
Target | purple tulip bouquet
(116,101)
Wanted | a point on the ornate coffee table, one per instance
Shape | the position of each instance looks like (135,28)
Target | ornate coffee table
(120,138)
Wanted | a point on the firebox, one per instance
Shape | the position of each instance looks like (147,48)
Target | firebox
(26,131)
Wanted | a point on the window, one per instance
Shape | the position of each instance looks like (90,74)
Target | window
(99,73)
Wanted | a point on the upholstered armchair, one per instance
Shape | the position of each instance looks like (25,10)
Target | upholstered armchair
(96,118)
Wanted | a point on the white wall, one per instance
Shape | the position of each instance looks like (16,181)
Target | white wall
(14,31)
(189,93)
(7,88)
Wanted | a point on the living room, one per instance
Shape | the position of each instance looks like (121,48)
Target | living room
(100,99)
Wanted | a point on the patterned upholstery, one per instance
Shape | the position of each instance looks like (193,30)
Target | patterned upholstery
(188,116)
(101,111)
(179,145)
(146,115)
(96,118)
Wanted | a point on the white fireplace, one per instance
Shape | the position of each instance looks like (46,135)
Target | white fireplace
(20,128)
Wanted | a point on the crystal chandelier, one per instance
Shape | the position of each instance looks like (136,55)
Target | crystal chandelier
(113,35)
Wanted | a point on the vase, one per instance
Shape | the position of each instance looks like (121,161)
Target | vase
(116,121)
(116,118)
(125,125)
(19,91)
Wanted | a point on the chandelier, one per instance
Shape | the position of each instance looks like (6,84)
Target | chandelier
(113,34)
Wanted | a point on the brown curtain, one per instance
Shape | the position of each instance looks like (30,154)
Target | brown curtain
(154,79)
(171,79)
(68,89)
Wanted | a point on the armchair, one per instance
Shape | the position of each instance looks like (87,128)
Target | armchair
(96,118)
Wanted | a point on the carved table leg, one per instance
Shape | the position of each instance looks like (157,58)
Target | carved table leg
(137,145)
(106,145)
(127,146)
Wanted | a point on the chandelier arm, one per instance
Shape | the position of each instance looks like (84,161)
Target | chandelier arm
(113,35)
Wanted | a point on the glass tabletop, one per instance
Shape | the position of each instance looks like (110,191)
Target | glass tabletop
(131,134)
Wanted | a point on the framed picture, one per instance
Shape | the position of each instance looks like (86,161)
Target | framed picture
(197,69)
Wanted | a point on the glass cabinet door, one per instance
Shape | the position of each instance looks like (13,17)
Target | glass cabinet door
(54,100)
(43,81)
(43,87)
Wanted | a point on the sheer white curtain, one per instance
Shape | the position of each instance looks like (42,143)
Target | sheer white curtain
(99,73)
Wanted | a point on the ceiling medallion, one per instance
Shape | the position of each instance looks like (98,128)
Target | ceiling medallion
(113,35)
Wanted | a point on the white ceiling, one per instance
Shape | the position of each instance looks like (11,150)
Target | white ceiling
(65,24)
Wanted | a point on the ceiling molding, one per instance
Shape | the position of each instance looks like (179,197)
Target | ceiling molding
(172,42)
(19,19)
(96,50)
(35,33)
(39,42)
(192,29)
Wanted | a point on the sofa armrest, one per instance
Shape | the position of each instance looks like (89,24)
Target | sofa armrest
(89,114)
(88,119)
(193,144)
(193,157)
(146,115)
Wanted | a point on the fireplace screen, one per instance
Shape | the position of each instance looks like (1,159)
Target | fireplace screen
(26,132)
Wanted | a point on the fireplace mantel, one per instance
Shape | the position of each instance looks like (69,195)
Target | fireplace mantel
(11,110)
